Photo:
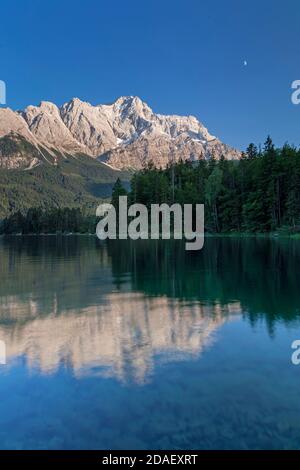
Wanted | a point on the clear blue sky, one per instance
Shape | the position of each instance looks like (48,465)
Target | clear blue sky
(183,57)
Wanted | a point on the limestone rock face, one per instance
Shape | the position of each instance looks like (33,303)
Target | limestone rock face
(124,134)
(45,122)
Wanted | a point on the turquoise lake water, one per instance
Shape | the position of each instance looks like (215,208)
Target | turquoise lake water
(142,345)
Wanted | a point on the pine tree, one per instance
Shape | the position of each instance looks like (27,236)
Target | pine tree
(251,151)
(117,191)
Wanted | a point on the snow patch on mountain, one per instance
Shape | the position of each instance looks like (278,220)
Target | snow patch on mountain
(126,133)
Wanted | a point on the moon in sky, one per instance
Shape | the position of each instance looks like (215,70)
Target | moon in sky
(245,63)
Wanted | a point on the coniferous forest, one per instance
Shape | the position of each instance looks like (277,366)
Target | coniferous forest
(258,193)
(52,221)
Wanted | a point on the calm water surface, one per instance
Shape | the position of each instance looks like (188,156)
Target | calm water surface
(144,345)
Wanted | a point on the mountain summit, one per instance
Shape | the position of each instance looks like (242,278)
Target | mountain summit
(125,134)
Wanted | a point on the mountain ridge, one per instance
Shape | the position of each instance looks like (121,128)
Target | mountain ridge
(125,134)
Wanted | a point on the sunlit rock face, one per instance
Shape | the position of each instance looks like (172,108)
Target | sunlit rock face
(125,134)
(121,338)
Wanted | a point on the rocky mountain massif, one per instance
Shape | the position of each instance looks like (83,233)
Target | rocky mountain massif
(71,156)
(124,135)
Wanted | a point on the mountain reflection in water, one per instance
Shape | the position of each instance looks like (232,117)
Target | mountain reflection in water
(143,345)
(116,309)
(119,337)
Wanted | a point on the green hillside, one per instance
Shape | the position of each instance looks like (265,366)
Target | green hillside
(74,182)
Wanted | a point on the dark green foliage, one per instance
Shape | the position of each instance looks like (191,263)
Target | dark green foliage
(117,191)
(259,193)
(74,182)
(56,220)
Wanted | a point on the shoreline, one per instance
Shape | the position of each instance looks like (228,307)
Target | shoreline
(273,235)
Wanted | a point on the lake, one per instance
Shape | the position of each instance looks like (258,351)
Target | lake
(143,345)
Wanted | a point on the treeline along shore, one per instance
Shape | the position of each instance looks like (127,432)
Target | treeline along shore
(260,193)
